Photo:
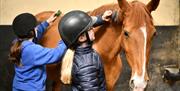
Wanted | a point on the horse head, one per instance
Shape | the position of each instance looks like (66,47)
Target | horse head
(137,31)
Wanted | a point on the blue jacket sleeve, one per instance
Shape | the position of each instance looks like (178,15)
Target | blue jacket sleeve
(99,21)
(41,29)
(49,55)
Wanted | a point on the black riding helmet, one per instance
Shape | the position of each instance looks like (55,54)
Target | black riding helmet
(23,24)
(73,24)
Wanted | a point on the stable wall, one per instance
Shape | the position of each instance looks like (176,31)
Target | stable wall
(167,12)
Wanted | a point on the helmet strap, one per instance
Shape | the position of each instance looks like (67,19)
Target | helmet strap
(88,39)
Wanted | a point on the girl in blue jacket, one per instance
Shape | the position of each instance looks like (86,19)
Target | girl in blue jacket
(30,58)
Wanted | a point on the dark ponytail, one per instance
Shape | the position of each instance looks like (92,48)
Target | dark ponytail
(15,52)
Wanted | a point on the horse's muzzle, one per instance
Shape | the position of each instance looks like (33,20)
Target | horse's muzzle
(135,87)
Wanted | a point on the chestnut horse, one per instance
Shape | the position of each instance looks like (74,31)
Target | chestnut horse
(131,30)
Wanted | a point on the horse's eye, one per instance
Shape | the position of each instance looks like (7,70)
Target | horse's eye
(126,33)
(155,34)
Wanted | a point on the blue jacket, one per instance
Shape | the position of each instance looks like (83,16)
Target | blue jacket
(31,76)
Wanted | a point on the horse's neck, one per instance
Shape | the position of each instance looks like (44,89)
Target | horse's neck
(51,37)
(107,42)
(108,39)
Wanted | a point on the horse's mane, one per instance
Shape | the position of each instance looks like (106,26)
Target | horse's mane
(103,8)
(139,14)
(112,6)
(43,15)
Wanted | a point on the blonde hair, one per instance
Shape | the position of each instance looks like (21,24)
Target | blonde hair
(66,67)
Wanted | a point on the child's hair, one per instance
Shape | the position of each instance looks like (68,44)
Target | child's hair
(66,67)
(15,50)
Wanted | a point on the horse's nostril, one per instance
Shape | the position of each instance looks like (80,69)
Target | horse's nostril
(147,80)
(131,84)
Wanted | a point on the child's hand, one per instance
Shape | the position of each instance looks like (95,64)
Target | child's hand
(52,17)
(106,15)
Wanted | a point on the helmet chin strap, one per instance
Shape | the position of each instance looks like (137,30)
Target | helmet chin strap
(87,41)
(88,38)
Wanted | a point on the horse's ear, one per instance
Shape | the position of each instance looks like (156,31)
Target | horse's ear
(123,4)
(152,5)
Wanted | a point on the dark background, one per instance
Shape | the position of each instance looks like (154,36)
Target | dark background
(165,51)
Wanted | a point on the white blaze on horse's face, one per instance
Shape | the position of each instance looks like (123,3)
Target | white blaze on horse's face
(135,46)
(139,81)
